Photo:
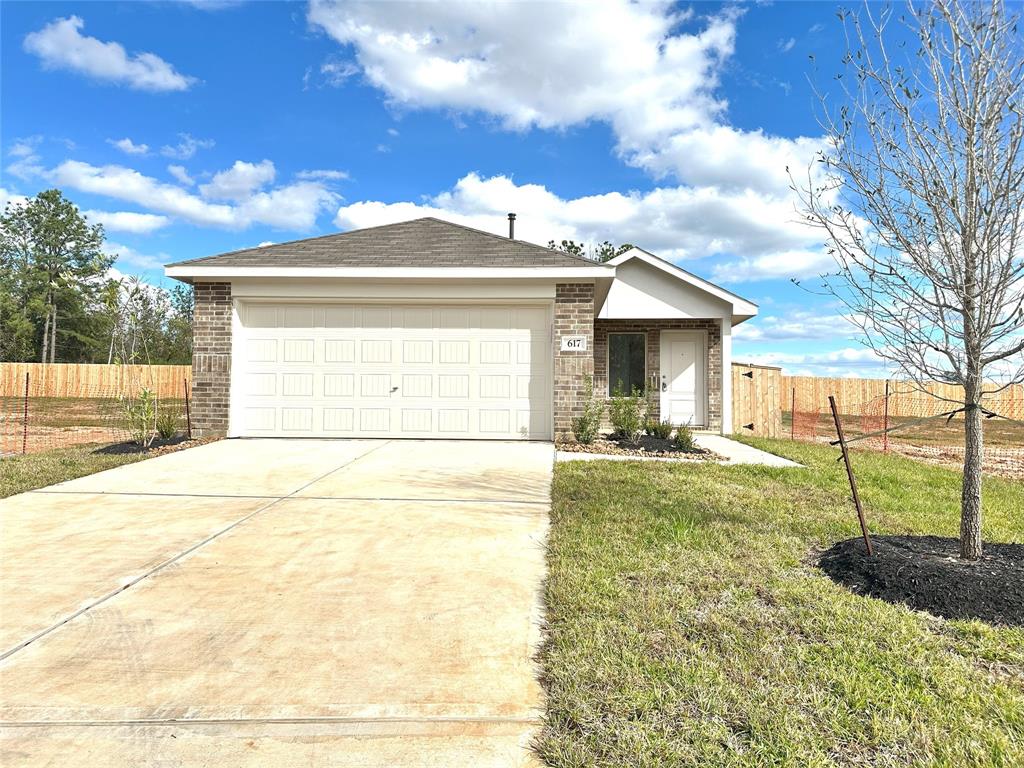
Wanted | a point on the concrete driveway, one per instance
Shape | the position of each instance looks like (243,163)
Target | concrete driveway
(278,603)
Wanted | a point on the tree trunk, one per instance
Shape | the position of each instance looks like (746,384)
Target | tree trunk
(970,499)
(46,335)
(53,336)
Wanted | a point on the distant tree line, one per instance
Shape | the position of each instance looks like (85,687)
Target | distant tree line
(60,302)
(606,251)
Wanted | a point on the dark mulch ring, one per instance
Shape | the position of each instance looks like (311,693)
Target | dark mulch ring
(927,574)
(157,448)
(647,446)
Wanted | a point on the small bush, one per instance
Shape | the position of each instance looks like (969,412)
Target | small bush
(585,426)
(626,413)
(659,429)
(684,439)
(140,416)
(168,419)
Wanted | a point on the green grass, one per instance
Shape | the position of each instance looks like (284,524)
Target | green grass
(689,627)
(37,470)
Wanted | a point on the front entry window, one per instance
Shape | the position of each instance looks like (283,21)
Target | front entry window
(627,367)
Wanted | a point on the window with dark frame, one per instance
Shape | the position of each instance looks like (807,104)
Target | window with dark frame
(627,362)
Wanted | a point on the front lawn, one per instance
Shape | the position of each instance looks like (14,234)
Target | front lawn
(37,470)
(689,626)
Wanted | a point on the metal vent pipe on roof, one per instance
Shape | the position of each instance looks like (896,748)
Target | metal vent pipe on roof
(511,226)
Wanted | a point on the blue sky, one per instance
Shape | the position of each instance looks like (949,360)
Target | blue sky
(194,128)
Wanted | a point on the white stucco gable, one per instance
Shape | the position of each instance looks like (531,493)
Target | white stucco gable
(651,288)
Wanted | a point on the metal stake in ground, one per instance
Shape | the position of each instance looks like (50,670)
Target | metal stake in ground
(24,425)
(849,473)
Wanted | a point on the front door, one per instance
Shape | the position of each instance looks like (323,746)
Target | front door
(683,378)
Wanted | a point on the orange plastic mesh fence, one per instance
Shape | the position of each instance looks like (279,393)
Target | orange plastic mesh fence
(32,422)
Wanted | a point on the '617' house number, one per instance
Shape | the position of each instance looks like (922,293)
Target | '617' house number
(574,343)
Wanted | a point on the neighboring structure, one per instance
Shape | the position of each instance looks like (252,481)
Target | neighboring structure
(431,329)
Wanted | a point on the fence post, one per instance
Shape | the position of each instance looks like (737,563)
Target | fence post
(188,413)
(24,425)
(849,475)
(792,417)
(885,420)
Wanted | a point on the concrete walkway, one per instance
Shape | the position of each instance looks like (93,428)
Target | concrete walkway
(278,603)
(733,452)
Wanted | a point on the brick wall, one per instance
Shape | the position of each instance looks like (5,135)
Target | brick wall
(653,329)
(574,316)
(211,358)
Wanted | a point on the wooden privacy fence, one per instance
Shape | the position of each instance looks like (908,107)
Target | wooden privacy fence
(756,400)
(905,399)
(86,380)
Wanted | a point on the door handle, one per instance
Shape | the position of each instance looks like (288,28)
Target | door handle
(664,384)
(393,390)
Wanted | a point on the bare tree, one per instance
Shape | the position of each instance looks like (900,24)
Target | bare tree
(920,196)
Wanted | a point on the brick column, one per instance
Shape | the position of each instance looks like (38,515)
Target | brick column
(211,359)
(574,316)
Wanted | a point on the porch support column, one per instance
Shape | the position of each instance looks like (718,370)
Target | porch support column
(727,375)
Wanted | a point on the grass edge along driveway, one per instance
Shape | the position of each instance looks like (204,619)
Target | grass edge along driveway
(27,472)
(687,624)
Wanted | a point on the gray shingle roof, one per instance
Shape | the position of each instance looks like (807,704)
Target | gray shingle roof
(426,242)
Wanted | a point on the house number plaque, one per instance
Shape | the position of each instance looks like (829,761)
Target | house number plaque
(574,343)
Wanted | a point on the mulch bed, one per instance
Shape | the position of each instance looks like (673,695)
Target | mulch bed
(927,574)
(648,446)
(158,447)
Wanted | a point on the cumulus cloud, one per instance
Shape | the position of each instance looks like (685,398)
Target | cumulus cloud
(180,174)
(798,325)
(129,147)
(294,206)
(186,148)
(647,69)
(674,222)
(128,257)
(61,45)
(7,197)
(127,221)
(239,181)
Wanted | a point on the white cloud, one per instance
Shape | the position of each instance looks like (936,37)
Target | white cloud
(186,148)
(392,131)
(336,72)
(12,198)
(657,90)
(127,221)
(294,206)
(128,146)
(795,264)
(240,181)
(181,175)
(848,361)
(798,325)
(27,163)
(673,222)
(60,45)
(131,258)
(322,174)
(785,46)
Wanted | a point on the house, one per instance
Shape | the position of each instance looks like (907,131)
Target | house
(427,328)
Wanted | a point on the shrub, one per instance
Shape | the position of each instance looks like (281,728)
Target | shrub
(626,413)
(659,429)
(684,439)
(168,418)
(585,426)
(140,416)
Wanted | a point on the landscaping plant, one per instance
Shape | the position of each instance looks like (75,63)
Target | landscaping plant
(626,413)
(140,416)
(684,439)
(659,429)
(167,420)
(585,426)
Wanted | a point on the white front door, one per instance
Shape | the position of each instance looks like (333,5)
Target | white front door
(384,370)
(683,378)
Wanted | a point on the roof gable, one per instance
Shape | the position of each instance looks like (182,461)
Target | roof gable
(426,242)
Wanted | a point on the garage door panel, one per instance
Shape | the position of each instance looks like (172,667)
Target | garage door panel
(420,371)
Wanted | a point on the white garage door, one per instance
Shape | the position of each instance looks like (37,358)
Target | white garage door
(348,370)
